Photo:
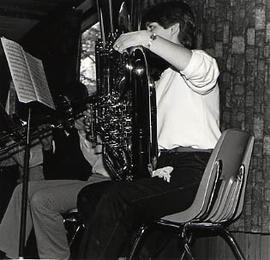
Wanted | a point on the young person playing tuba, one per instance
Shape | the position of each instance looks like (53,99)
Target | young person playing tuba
(187,130)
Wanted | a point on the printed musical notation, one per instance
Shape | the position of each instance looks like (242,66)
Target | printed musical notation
(28,74)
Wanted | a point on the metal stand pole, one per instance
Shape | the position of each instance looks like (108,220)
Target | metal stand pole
(25,187)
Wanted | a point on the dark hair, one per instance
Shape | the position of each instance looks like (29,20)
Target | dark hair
(170,13)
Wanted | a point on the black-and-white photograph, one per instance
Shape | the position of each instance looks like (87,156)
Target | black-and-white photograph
(135,129)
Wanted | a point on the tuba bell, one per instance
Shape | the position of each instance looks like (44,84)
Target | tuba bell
(124,111)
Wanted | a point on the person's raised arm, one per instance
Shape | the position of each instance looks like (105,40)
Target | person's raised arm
(168,49)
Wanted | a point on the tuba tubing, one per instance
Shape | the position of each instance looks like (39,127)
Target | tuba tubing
(125,100)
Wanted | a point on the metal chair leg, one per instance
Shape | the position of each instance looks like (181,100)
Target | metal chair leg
(138,238)
(183,254)
(73,226)
(72,239)
(233,244)
(187,241)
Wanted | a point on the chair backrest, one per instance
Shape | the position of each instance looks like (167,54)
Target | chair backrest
(222,168)
(230,196)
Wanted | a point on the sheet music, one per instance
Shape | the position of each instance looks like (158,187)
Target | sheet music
(19,71)
(28,74)
(39,80)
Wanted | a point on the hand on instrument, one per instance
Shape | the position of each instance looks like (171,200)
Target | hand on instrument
(131,39)
(83,124)
(164,173)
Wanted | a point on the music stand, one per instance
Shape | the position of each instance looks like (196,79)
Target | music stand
(31,85)
(25,185)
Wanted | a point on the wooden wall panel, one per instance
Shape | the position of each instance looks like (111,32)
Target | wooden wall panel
(237,34)
(253,246)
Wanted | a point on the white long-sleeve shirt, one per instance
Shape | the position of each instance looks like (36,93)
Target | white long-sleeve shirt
(188,104)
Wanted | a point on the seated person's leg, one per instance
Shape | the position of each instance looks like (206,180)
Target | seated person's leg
(10,225)
(88,198)
(123,206)
(47,207)
(41,208)
(118,212)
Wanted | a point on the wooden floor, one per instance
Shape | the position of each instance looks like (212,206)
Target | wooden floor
(254,247)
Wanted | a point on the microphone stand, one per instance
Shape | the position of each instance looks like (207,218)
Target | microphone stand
(25,187)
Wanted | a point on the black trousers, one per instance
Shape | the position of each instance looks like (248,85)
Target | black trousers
(113,210)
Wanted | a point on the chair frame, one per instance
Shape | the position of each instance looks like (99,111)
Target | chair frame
(73,218)
(220,205)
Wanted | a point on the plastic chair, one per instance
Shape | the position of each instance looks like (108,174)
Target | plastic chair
(220,196)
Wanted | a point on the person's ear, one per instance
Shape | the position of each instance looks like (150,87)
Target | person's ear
(174,29)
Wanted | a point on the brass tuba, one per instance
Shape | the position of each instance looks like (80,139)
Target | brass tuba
(124,108)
